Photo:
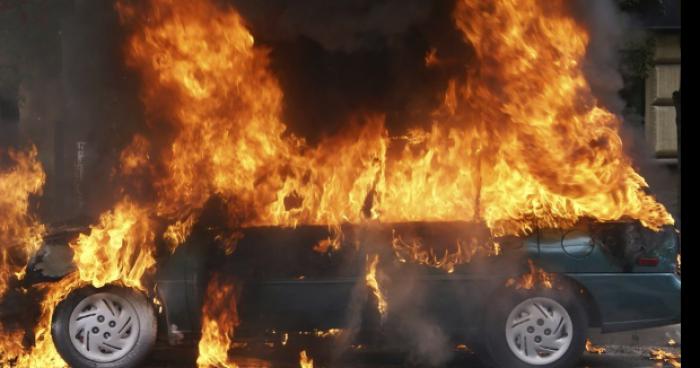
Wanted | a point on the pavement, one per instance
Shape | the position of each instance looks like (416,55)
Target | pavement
(623,350)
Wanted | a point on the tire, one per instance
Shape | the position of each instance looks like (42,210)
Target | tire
(554,341)
(121,322)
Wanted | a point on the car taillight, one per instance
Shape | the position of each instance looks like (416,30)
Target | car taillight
(648,261)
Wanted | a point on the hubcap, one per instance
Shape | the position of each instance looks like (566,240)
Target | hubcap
(104,327)
(539,331)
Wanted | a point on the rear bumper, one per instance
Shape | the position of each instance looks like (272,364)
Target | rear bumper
(629,301)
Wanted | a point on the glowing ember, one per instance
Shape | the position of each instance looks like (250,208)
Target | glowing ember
(219,319)
(594,349)
(305,361)
(373,284)
(528,281)
(666,357)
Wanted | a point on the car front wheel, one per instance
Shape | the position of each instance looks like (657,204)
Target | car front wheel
(544,328)
(110,327)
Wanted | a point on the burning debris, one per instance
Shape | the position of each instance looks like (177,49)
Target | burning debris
(594,349)
(663,356)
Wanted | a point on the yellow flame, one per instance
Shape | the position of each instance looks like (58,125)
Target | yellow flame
(373,285)
(219,319)
(305,361)
(594,349)
(536,276)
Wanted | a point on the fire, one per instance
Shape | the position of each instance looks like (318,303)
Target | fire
(43,353)
(373,285)
(537,150)
(464,250)
(528,281)
(119,249)
(665,356)
(305,361)
(219,319)
(20,233)
(519,142)
(594,349)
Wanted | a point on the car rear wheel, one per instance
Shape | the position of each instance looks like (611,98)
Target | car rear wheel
(110,327)
(543,328)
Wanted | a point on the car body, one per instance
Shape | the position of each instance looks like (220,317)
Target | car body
(623,275)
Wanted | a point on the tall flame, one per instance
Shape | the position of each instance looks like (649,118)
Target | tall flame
(519,142)
(219,319)
(373,284)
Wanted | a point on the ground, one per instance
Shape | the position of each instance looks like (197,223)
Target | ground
(624,350)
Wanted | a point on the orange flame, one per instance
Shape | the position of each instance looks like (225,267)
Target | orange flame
(537,150)
(594,349)
(305,361)
(464,250)
(665,356)
(118,249)
(219,319)
(373,285)
(531,279)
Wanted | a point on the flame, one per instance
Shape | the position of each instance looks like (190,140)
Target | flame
(43,353)
(464,250)
(373,284)
(665,356)
(519,142)
(531,279)
(594,349)
(305,361)
(119,249)
(20,233)
(219,319)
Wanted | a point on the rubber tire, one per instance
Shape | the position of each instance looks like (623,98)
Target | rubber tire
(495,327)
(148,328)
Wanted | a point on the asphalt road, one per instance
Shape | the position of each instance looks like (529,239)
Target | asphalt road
(623,350)
(619,357)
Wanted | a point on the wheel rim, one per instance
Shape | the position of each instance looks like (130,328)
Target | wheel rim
(104,327)
(539,331)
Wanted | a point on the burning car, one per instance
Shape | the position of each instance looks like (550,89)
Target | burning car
(616,276)
(508,213)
